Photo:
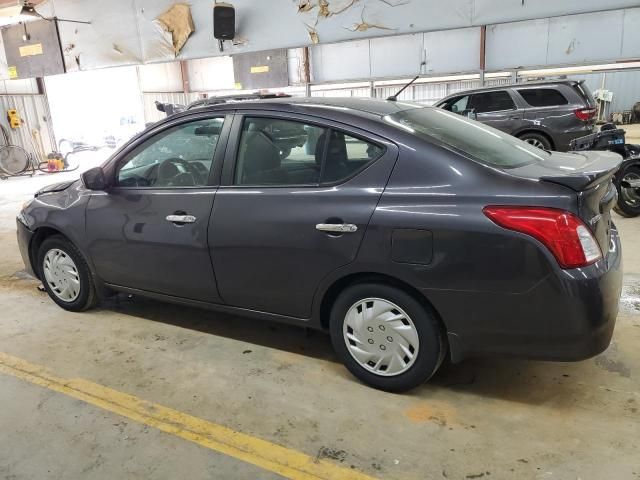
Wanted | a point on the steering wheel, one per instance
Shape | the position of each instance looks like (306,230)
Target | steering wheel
(175,171)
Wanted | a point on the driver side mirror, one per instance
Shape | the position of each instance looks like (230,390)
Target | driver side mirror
(470,114)
(94,179)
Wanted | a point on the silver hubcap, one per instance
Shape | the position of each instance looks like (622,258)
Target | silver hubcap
(381,337)
(535,142)
(61,275)
(630,195)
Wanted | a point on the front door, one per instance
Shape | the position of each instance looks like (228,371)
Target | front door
(149,231)
(295,201)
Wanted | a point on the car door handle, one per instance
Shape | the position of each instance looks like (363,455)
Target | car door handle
(337,227)
(181,218)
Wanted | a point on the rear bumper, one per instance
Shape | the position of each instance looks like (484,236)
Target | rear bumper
(24,241)
(563,139)
(568,316)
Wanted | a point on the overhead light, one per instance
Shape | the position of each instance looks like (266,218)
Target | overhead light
(13,8)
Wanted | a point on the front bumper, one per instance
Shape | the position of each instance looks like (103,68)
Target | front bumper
(568,316)
(24,241)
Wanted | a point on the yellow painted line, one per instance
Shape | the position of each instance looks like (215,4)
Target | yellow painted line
(269,456)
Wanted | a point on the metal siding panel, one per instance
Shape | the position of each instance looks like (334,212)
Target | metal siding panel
(160,77)
(531,38)
(340,61)
(631,34)
(452,50)
(585,38)
(498,11)
(396,56)
(211,74)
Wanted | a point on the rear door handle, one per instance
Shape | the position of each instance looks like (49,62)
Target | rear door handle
(337,227)
(181,218)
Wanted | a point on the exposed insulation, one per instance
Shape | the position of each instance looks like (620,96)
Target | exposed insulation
(179,23)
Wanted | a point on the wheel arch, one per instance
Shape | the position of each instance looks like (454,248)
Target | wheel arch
(39,236)
(537,131)
(332,292)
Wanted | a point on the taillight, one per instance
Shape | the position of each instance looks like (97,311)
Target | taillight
(563,233)
(585,114)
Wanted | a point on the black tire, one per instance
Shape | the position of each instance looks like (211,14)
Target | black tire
(536,139)
(626,206)
(87,297)
(432,345)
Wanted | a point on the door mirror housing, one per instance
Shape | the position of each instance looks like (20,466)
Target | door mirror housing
(94,179)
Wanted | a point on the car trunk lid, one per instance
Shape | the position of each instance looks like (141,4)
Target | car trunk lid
(590,175)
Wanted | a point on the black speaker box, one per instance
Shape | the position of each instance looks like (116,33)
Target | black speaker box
(224,21)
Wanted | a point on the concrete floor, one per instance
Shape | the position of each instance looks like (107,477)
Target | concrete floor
(489,418)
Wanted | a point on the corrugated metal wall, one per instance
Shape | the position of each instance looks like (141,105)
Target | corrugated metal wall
(151,113)
(624,85)
(35,135)
(427,93)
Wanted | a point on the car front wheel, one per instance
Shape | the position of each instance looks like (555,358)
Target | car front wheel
(65,274)
(385,337)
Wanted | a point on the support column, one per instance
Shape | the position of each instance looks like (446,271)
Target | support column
(483,43)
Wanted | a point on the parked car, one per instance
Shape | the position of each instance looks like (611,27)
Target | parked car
(547,115)
(407,232)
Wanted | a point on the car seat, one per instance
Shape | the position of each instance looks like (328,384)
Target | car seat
(335,167)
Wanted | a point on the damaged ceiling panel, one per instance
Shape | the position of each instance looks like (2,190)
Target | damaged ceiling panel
(124,32)
(111,39)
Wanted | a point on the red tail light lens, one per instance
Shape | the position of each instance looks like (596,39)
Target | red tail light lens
(563,233)
(585,114)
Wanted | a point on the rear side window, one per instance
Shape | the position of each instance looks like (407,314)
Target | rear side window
(346,155)
(543,97)
(277,152)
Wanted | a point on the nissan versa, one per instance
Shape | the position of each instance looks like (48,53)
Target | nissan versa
(409,233)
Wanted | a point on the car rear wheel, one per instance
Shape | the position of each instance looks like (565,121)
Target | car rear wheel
(385,337)
(537,140)
(65,274)
(628,204)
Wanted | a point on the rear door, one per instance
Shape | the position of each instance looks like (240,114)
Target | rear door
(496,109)
(149,231)
(289,213)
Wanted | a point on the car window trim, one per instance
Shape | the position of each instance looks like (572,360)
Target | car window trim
(230,160)
(114,165)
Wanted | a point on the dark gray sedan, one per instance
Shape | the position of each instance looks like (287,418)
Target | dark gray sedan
(409,233)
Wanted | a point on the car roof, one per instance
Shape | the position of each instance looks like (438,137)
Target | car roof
(354,105)
(545,83)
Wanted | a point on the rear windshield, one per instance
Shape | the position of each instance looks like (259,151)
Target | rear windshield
(585,93)
(478,141)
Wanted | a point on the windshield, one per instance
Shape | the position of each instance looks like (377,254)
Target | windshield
(483,143)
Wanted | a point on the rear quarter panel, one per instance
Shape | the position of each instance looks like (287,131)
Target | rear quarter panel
(473,260)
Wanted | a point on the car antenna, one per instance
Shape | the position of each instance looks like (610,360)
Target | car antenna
(394,97)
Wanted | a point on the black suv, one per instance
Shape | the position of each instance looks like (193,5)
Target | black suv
(547,115)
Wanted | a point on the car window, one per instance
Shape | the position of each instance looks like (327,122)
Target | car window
(180,156)
(474,139)
(543,97)
(274,151)
(346,155)
(458,105)
(491,102)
